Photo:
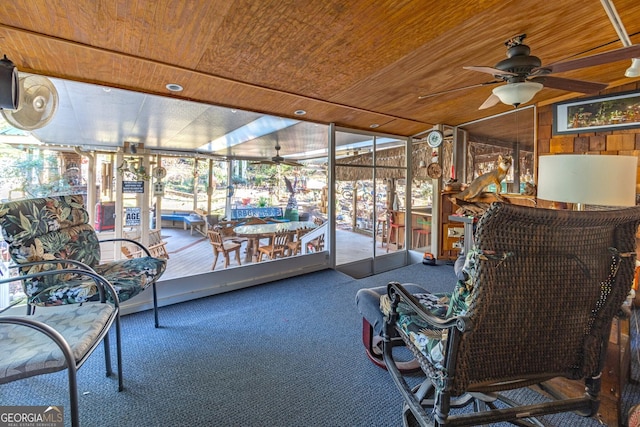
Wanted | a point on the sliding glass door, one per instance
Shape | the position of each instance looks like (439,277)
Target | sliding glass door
(370,189)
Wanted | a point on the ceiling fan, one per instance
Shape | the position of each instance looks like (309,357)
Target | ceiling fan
(525,76)
(278,159)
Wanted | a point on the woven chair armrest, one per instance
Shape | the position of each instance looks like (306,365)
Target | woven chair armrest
(397,293)
(102,283)
(122,239)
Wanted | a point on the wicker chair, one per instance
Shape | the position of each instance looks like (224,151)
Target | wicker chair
(545,289)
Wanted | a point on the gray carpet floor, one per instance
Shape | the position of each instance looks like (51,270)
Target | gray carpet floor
(286,353)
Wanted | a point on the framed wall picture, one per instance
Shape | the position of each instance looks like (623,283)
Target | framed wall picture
(597,114)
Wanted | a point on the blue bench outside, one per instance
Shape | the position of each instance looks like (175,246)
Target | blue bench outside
(174,217)
(171,219)
(187,219)
(193,219)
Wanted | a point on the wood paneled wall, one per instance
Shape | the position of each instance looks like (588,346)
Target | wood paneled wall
(622,142)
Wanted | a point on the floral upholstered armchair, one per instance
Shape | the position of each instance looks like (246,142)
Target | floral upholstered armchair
(54,232)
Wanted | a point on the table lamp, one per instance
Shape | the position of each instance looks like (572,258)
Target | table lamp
(603,180)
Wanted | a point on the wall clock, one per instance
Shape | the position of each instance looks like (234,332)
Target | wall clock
(435,138)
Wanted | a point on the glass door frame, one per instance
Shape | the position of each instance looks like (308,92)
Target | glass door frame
(380,261)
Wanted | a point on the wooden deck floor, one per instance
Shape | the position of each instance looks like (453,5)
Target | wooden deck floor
(188,254)
(192,254)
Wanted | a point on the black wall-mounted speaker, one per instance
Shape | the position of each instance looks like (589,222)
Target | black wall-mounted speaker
(9,85)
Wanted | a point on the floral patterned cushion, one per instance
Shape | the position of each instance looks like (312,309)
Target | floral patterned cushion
(428,339)
(131,276)
(56,228)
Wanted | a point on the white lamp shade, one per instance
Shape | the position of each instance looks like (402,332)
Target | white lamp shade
(588,179)
(517,93)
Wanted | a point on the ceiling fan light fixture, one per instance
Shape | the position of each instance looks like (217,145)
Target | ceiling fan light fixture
(634,70)
(517,93)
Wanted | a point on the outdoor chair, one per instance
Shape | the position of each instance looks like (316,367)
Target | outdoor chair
(55,230)
(58,338)
(540,291)
(294,246)
(224,247)
(212,220)
(277,245)
(225,228)
(156,247)
(317,244)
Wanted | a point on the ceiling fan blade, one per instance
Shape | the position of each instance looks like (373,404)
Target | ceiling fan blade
(593,60)
(442,92)
(490,70)
(291,163)
(279,162)
(490,102)
(570,85)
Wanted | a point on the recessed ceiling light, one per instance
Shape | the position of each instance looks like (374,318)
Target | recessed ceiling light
(174,87)
(374,125)
(299,112)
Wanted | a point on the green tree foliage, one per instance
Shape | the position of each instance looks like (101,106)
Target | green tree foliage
(34,174)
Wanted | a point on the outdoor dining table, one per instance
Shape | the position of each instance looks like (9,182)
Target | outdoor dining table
(255,232)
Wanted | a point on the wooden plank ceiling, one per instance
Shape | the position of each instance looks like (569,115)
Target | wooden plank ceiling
(354,63)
